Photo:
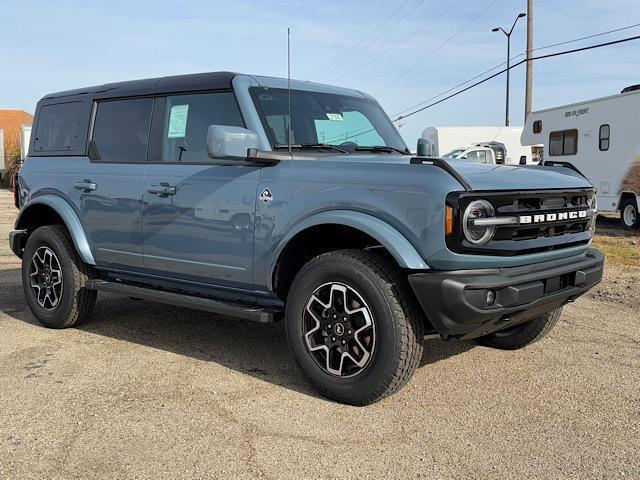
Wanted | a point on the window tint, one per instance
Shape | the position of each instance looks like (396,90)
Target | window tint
(121,130)
(60,128)
(537,126)
(187,120)
(603,138)
(564,142)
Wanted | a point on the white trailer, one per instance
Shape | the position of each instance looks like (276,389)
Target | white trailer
(469,139)
(600,138)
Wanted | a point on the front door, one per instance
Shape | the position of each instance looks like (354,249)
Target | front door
(198,212)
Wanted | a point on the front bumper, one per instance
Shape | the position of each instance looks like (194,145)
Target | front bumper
(456,301)
(17,239)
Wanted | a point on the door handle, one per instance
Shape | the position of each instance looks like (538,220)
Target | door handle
(162,189)
(85,185)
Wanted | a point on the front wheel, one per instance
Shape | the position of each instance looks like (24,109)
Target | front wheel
(54,277)
(353,326)
(519,336)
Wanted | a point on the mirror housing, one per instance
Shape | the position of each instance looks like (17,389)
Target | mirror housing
(224,141)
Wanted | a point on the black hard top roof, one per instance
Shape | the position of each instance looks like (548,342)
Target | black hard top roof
(176,83)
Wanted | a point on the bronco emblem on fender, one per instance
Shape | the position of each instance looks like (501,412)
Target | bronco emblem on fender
(266,196)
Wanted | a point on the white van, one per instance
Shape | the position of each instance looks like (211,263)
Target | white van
(600,138)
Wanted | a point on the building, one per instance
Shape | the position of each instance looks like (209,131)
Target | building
(10,123)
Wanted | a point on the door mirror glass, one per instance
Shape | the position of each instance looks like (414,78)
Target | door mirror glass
(224,141)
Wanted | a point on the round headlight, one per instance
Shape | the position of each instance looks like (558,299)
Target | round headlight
(476,233)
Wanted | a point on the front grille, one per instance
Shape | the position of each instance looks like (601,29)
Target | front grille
(524,238)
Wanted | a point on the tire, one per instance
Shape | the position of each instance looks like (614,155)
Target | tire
(629,214)
(65,304)
(519,336)
(378,294)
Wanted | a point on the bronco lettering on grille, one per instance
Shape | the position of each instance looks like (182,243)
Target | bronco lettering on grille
(553,217)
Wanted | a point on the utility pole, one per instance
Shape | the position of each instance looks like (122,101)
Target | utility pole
(529,82)
(508,34)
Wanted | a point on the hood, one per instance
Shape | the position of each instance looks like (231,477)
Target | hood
(514,177)
(480,176)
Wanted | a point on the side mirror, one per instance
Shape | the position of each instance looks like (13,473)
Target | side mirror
(225,141)
(523,160)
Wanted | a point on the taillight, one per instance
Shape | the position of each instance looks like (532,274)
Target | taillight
(16,191)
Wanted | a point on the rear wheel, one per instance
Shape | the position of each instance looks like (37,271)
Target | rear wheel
(353,327)
(629,214)
(54,277)
(519,336)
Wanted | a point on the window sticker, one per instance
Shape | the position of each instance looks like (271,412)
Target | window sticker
(336,117)
(178,121)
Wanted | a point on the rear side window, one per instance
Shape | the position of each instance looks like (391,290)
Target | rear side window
(121,130)
(564,142)
(61,127)
(187,120)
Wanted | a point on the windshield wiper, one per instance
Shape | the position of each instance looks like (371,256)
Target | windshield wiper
(382,148)
(325,146)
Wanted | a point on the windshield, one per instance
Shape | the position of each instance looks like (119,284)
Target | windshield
(320,119)
(455,153)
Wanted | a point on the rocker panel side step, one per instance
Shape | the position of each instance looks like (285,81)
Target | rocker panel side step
(255,314)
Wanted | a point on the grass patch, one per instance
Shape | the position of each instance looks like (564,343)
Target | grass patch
(623,250)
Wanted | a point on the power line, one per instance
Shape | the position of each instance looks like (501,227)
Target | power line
(408,37)
(549,55)
(480,82)
(515,57)
(587,37)
(458,85)
(361,42)
(382,34)
(451,37)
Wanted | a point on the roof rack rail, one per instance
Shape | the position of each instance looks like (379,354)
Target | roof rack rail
(558,163)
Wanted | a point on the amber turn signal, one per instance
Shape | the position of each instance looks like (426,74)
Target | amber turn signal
(448,220)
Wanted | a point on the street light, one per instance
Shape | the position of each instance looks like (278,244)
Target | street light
(500,29)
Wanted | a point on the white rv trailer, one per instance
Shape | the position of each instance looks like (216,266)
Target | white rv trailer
(469,139)
(600,138)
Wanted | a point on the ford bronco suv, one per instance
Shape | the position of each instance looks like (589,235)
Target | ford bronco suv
(234,194)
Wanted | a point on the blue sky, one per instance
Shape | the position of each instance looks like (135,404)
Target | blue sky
(62,44)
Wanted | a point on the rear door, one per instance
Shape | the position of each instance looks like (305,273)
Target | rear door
(198,212)
(109,188)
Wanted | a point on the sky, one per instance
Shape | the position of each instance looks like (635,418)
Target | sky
(402,52)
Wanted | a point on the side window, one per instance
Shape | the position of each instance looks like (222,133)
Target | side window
(564,142)
(537,126)
(187,119)
(60,128)
(121,130)
(482,156)
(603,137)
(472,155)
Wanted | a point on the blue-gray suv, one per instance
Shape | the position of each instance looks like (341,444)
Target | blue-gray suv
(235,194)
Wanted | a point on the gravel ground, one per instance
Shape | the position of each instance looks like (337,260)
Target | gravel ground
(148,391)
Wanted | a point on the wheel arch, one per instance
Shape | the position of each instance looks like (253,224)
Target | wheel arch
(627,196)
(343,229)
(54,210)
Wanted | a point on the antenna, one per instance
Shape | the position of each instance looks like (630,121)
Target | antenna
(289,87)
